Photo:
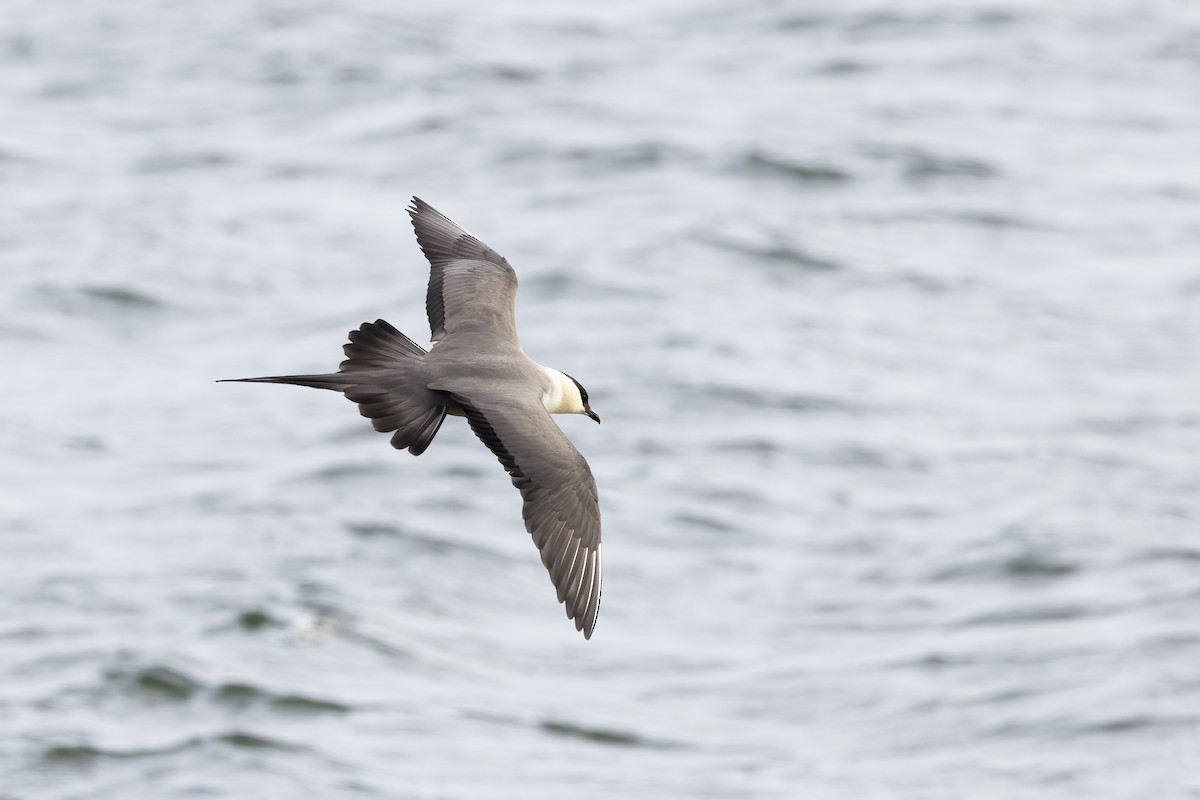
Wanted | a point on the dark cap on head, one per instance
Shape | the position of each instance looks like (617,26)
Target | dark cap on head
(583,396)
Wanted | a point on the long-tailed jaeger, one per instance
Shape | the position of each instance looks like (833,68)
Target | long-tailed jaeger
(476,368)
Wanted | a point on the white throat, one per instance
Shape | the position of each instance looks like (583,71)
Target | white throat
(562,397)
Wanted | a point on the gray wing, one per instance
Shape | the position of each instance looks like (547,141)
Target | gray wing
(471,286)
(561,509)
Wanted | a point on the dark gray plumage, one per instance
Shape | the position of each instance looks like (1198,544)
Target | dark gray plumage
(477,369)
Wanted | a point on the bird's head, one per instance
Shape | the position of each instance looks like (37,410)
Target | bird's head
(568,396)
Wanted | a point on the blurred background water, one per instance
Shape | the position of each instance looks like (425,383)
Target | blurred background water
(891,311)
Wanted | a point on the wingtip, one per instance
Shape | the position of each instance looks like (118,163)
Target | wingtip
(417,205)
(421,213)
(586,624)
(582,605)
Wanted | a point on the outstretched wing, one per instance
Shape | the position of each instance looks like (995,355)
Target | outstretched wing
(471,286)
(561,509)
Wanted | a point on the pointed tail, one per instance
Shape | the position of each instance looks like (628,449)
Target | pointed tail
(336,381)
(378,375)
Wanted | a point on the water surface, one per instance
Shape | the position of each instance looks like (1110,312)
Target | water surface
(890,310)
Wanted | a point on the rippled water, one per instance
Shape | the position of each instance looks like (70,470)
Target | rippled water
(891,311)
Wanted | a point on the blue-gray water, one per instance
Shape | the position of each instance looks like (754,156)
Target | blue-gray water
(891,310)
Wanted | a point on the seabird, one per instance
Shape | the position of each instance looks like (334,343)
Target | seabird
(477,369)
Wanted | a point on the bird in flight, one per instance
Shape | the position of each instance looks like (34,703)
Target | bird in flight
(476,368)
